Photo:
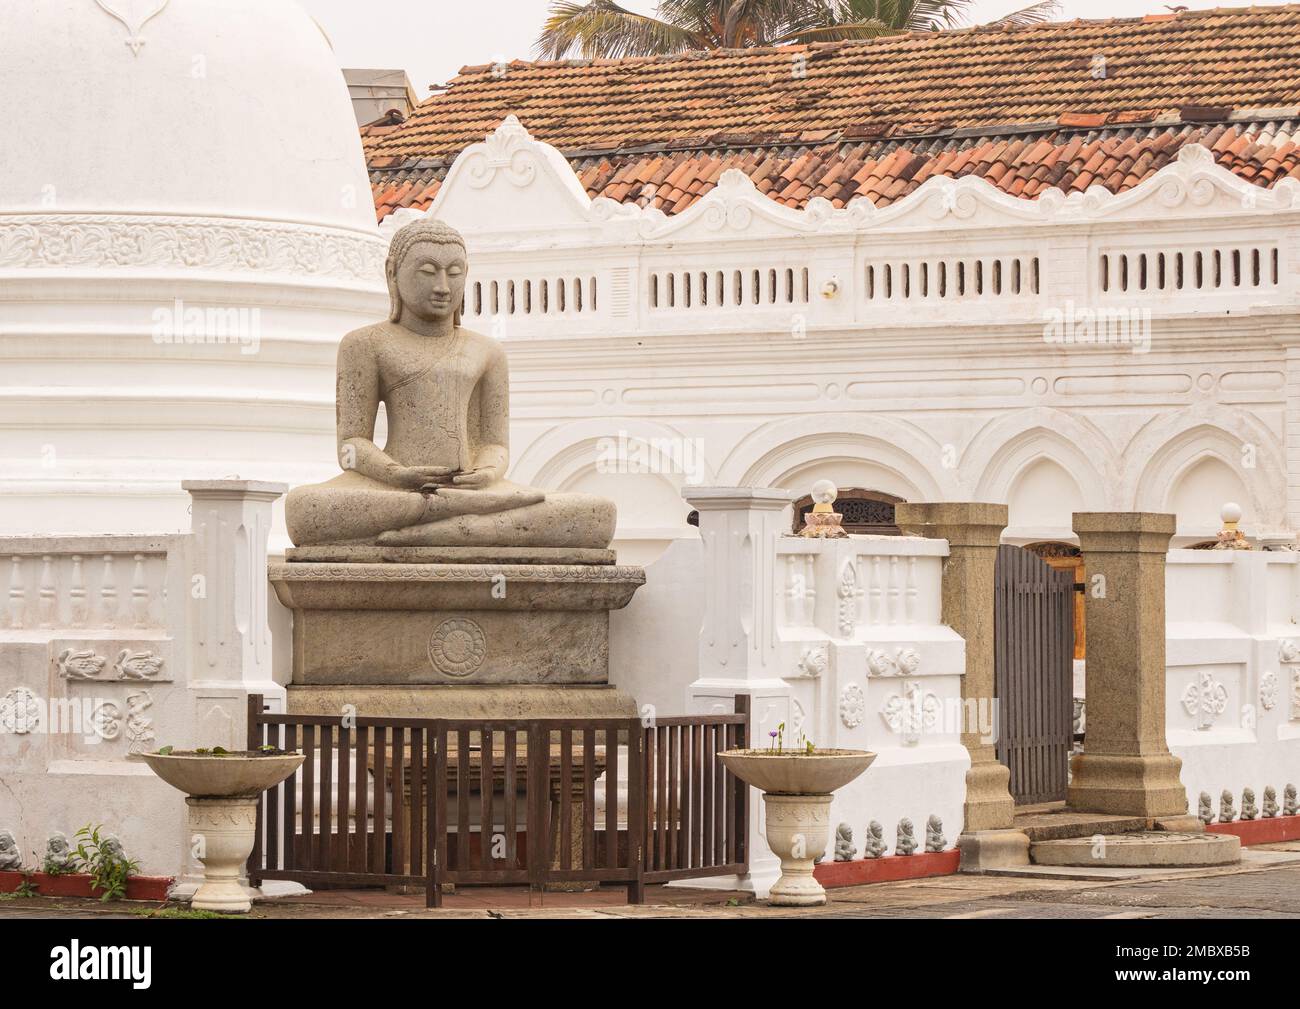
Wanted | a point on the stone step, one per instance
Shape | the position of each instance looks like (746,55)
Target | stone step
(1058,824)
(1145,849)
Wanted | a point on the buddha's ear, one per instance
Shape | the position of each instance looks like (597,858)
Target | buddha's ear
(394,296)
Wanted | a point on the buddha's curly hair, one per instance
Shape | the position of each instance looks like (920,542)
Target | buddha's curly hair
(430,230)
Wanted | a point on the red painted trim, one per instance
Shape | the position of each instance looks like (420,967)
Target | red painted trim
(1270,831)
(888,869)
(78,885)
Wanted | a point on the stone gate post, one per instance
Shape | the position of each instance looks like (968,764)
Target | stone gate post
(1126,768)
(973,531)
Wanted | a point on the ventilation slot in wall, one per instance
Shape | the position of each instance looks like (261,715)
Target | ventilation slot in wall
(950,279)
(532,296)
(1222,268)
(748,288)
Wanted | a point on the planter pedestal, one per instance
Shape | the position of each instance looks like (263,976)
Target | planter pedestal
(223,831)
(798,828)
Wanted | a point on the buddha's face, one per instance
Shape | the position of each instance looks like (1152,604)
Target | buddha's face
(431,281)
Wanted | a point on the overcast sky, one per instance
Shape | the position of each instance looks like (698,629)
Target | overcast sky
(432,39)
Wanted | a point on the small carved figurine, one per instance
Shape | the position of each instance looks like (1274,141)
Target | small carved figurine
(1227,813)
(844,850)
(1249,811)
(1206,811)
(934,839)
(111,847)
(1289,807)
(11,859)
(875,840)
(58,854)
(1270,802)
(906,844)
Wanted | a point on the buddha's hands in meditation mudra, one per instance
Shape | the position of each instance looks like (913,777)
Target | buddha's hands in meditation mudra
(439,479)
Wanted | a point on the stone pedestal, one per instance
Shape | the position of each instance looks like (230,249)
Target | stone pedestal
(402,624)
(973,532)
(1126,767)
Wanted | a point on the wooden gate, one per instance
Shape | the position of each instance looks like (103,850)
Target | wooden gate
(427,801)
(1034,673)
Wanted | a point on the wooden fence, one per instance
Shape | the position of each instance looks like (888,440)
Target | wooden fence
(424,802)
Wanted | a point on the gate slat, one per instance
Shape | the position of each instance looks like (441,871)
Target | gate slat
(326,850)
(379,841)
(486,769)
(510,791)
(462,798)
(360,861)
(344,812)
(589,796)
(309,796)
(611,796)
(1033,673)
(291,802)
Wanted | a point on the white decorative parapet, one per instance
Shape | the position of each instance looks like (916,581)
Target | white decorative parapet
(111,646)
(1232,694)
(549,261)
(840,642)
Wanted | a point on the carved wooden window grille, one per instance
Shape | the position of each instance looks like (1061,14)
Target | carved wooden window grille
(866,512)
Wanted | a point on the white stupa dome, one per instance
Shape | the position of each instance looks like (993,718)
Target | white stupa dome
(186,232)
(225,107)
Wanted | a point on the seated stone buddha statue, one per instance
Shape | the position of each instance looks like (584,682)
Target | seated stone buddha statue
(439,479)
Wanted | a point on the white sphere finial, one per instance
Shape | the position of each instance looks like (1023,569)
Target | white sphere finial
(824,492)
(1231,512)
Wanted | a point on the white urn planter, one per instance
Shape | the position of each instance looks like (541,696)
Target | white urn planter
(223,792)
(797,791)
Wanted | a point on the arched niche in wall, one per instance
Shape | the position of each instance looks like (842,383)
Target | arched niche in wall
(850,450)
(1044,495)
(868,512)
(1200,491)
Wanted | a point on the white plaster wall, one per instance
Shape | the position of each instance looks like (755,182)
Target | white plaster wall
(654,640)
(923,393)
(189,603)
(1232,628)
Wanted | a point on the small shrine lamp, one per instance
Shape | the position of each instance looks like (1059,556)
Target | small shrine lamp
(823,522)
(1230,537)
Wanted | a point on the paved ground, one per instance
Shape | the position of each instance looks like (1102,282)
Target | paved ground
(1267,885)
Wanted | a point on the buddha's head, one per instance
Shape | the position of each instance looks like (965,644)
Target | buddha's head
(426,270)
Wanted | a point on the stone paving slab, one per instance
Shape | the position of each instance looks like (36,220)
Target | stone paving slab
(1261,890)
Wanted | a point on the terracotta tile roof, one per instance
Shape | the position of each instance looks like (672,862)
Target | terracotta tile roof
(1066,105)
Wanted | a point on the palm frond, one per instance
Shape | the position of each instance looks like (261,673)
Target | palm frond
(1034,14)
(870,29)
(601,28)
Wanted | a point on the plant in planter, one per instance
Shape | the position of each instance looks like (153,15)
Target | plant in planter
(797,786)
(223,789)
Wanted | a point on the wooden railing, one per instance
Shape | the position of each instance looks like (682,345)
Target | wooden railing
(697,811)
(428,802)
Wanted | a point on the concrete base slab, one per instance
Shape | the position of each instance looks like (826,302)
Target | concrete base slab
(1180,825)
(1065,872)
(1061,823)
(983,850)
(1148,849)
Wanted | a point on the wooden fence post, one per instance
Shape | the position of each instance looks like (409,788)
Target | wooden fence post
(744,704)
(636,809)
